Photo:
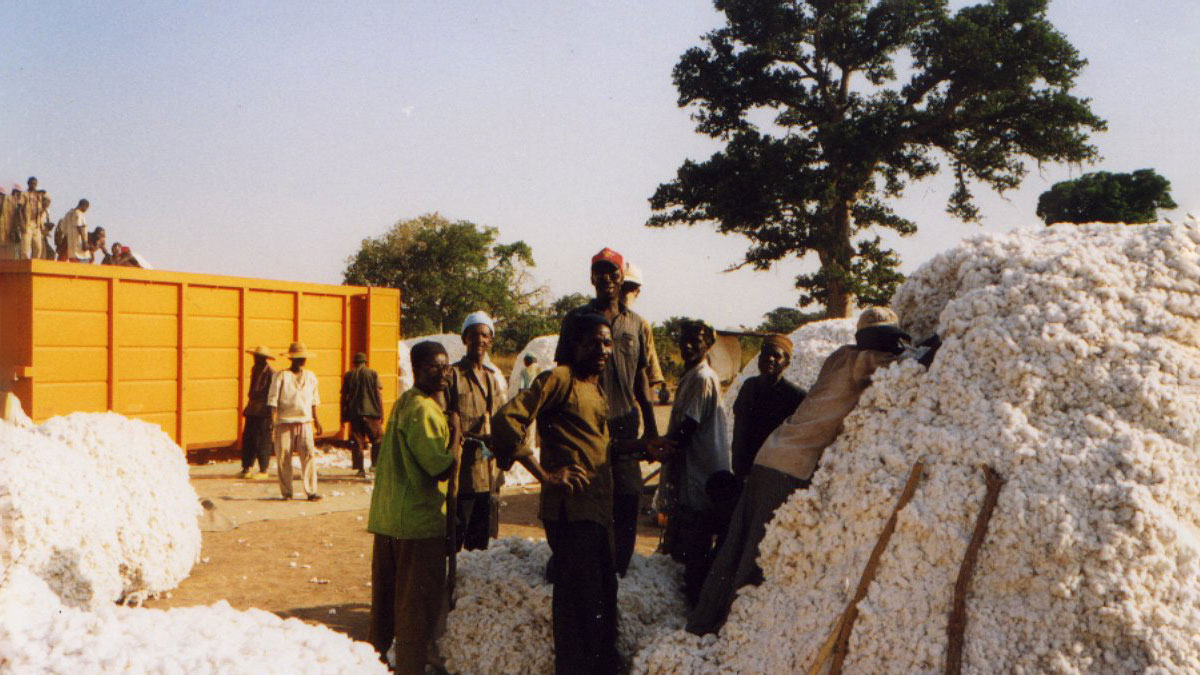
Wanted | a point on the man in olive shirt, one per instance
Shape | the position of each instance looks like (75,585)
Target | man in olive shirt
(408,516)
(362,409)
(576,502)
(473,392)
(626,390)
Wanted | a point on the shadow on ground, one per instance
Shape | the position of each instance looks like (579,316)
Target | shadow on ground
(351,618)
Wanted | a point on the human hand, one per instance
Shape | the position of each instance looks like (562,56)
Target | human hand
(317,426)
(660,449)
(571,478)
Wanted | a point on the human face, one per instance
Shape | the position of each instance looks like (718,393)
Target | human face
(593,350)
(630,292)
(32,184)
(298,364)
(478,339)
(692,347)
(606,279)
(772,360)
(430,376)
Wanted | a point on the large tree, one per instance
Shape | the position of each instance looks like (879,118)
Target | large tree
(1103,197)
(828,108)
(445,270)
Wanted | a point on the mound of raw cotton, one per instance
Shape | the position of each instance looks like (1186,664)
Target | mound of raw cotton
(812,343)
(501,621)
(38,634)
(542,348)
(98,505)
(1071,365)
(403,367)
(455,350)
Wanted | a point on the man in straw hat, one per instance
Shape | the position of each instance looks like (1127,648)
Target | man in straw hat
(789,457)
(362,409)
(294,400)
(257,432)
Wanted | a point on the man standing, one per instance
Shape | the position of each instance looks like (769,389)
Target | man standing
(293,400)
(472,396)
(631,290)
(408,516)
(576,500)
(362,409)
(257,432)
(32,214)
(72,233)
(530,372)
(626,391)
(763,403)
(10,227)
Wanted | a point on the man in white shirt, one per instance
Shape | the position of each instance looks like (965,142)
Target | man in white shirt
(71,234)
(293,400)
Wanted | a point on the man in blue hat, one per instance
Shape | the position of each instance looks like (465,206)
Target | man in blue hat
(473,395)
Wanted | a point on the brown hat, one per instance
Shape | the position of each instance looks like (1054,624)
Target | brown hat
(261,350)
(296,350)
(877,316)
(359,357)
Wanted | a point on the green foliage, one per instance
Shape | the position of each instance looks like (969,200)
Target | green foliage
(666,343)
(863,97)
(444,271)
(784,320)
(539,319)
(1103,197)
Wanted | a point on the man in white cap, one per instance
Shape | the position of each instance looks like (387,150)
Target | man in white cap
(472,397)
(256,434)
(789,457)
(293,400)
(631,290)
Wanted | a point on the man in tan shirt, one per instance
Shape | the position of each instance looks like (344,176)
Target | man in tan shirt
(294,399)
(789,457)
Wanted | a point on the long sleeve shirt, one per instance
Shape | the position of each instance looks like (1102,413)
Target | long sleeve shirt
(407,502)
(294,396)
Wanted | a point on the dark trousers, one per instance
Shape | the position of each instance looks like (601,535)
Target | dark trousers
(363,430)
(625,515)
(408,584)
(693,536)
(584,606)
(257,443)
(474,520)
(736,563)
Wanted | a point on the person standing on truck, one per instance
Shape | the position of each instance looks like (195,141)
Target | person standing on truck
(362,409)
(71,234)
(408,516)
(626,390)
(257,443)
(31,216)
(293,400)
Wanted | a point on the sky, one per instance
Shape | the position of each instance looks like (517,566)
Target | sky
(265,139)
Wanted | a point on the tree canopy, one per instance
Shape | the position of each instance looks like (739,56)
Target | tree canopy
(446,270)
(828,108)
(1103,197)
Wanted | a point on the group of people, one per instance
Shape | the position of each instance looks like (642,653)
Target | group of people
(594,421)
(281,417)
(28,233)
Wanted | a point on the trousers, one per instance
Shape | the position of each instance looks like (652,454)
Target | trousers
(408,580)
(295,437)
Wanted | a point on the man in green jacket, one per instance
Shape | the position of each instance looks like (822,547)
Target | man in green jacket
(408,516)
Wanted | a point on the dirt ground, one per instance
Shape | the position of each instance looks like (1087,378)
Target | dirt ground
(309,560)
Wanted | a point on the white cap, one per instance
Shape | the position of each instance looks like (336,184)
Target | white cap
(633,274)
(478,317)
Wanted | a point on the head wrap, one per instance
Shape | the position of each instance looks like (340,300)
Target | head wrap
(877,316)
(782,341)
(478,317)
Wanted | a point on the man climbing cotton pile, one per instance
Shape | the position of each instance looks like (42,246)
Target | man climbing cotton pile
(789,457)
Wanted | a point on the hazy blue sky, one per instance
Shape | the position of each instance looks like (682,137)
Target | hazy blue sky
(267,139)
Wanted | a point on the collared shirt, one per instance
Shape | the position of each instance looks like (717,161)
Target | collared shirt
(796,446)
(360,394)
(475,401)
(698,398)
(760,407)
(294,395)
(260,389)
(619,382)
(74,230)
(407,502)
(572,427)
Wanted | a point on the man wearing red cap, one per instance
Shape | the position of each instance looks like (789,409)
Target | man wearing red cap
(626,388)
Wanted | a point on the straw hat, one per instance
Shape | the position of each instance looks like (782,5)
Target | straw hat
(877,316)
(296,350)
(261,350)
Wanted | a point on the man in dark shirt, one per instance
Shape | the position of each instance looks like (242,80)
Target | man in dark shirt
(257,434)
(626,387)
(763,403)
(362,409)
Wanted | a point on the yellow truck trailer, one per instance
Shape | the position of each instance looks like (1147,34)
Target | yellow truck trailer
(170,347)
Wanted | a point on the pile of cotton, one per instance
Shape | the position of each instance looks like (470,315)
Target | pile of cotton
(403,368)
(1071,365)
(540,348)
(39,634)
(812,343)
(455,350)
(501,621)
(98,505)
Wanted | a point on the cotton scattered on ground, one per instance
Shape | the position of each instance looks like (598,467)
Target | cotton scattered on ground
(1071,365)
(98,505)
(501,622)
(39,634)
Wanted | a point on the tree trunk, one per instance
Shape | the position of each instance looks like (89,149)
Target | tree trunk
(837,304)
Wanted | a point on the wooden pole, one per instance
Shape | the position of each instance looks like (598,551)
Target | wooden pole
(957,626)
